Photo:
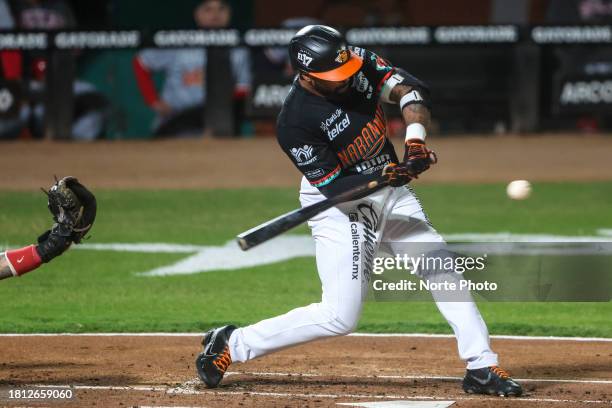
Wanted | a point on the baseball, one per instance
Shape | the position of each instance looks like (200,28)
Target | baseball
(519,189)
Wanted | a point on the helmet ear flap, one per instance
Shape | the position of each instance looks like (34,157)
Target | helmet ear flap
(292,52)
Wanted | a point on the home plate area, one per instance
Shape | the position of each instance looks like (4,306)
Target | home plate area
(359,371)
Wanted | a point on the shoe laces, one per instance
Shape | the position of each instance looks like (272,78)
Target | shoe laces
(503,374)
(223,360)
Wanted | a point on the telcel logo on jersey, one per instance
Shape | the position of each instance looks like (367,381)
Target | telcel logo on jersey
(335,124)
(339,127)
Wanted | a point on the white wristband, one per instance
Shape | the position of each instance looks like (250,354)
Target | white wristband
(415,131)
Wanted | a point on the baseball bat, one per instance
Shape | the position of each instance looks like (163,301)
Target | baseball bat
(285,222)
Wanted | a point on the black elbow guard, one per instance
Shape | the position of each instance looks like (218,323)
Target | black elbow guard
(420,90)
(412,81)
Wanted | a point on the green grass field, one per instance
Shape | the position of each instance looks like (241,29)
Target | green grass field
(85,291)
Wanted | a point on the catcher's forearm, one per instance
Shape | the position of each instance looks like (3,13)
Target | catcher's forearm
(74,210)
(5,270)
(17,262)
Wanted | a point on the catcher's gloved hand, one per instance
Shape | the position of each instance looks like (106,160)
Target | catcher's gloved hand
(73,208)
(419,156)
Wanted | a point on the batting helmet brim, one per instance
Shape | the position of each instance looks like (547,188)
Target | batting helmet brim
(343,72)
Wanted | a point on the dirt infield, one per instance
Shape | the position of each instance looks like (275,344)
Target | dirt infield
(259,162)
(158,370)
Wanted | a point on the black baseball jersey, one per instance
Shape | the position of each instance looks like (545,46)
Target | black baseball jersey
(329,139)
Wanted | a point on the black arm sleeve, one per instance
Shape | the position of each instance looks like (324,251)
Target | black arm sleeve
(413,82)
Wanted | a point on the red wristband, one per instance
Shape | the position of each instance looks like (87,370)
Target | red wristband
(23,260)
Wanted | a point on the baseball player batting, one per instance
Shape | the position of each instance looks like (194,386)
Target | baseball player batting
(73,208)
(333,129)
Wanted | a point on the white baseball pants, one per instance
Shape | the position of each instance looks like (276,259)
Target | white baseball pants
(344,235)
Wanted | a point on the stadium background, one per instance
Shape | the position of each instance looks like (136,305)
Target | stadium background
(499,115)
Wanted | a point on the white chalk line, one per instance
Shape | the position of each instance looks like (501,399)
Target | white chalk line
(171,406)
(494,336)
(412,377)
(228,257)
(414,335)
(189,389)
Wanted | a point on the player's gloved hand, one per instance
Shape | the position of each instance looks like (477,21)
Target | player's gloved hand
(398,174)
(73,208)
(419,156)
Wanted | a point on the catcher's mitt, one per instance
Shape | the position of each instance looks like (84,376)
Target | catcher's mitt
(73,207)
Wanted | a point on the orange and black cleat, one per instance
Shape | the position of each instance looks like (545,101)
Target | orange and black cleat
(491,381)
(212,363)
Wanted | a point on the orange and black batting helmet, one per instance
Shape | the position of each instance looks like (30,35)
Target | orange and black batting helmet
(322,52)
